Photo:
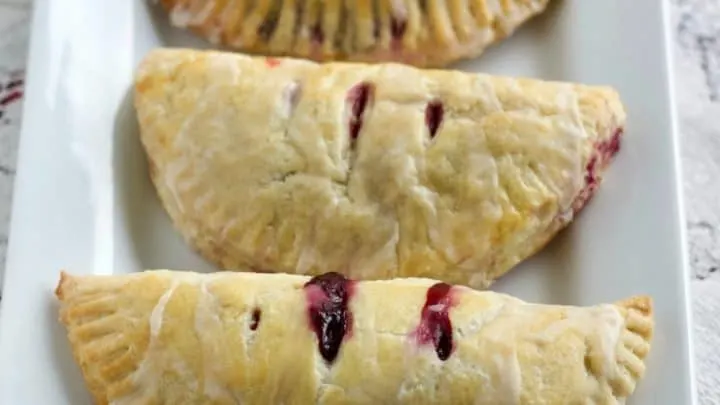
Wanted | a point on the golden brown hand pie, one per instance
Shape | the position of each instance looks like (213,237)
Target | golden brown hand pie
(418,32)
(374,171)
(163,337)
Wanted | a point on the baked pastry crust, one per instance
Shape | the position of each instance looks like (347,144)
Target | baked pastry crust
(375,171)
(418,32)
(162,337)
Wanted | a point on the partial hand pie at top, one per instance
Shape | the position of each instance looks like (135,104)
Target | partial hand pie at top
(376,171)
(418,32)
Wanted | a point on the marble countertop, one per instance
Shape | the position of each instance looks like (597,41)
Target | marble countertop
(696,25)
(14,28)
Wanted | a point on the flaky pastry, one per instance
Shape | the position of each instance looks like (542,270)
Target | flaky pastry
(374,171)
(162,337)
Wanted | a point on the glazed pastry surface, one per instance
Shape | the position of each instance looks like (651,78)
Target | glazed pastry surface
(163,337)
(374,171)
(417,32)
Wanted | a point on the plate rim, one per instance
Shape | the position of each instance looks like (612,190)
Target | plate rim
(680,199)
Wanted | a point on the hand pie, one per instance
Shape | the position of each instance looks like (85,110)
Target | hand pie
(374,171)
(418,32)
(163,337)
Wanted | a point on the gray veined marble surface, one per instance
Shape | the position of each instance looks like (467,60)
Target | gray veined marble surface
(696,25)
(14,27)
(697,82)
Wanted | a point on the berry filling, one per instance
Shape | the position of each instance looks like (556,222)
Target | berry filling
(603,153)
(330,318)
(255,321)
(433,116)
(316,34)
(397,30)
(358,97)
(272,62)
(397,27)
(435,327)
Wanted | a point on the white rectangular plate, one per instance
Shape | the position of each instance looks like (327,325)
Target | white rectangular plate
(83,200)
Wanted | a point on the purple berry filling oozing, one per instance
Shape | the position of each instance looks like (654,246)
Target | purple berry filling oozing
(358,98)
(434,113)
(272,62)
(255,321)
(435,327)
(397,27)
(317,36)
(602,155)
(328,296)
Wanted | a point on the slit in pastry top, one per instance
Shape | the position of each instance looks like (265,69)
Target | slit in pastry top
(328,297)
(435,327)
(331,320)
(358,99)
